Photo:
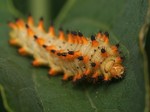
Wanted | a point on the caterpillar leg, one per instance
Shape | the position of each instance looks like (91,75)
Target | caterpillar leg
(22,51)
(65,77)
(36,62)
(53,72)
(39,62)
(95,75)
(87,72)
(77,77)
(13,42)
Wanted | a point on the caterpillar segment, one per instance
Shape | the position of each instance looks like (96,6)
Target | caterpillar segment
(71,53)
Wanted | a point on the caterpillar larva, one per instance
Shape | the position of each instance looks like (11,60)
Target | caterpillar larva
(73,54)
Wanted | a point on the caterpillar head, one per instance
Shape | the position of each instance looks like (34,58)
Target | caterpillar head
(112,68)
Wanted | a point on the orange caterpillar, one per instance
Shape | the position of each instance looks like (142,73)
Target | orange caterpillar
(72,54)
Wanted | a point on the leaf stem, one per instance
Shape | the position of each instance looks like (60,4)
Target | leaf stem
(39,8)
(142,36)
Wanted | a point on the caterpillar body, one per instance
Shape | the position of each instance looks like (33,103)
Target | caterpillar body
(71,53)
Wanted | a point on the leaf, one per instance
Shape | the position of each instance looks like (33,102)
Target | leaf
(30,89)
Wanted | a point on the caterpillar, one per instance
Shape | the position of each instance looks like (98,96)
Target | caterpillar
(71,53)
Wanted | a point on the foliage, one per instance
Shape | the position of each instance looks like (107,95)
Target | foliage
(28,89)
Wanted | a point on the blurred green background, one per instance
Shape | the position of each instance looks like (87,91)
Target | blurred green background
(48,9)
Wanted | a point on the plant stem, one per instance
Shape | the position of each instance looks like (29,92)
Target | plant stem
(39,8)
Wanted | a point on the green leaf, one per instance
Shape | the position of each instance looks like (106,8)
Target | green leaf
(28,89)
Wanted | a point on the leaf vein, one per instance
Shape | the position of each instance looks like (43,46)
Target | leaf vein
(91,101)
